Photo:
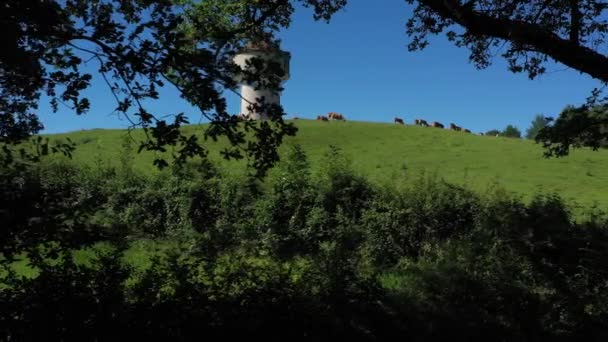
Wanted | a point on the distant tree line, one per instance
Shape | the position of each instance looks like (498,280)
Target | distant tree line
(510,131)
(574,127)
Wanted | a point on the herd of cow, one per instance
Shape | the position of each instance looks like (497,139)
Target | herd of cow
(435,124)
(331,116)
(399,121)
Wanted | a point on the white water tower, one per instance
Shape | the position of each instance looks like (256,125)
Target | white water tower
(250,93)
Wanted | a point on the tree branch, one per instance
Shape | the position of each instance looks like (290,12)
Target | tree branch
(527,34)
(575,21)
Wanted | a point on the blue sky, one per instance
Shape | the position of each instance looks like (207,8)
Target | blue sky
(358,65)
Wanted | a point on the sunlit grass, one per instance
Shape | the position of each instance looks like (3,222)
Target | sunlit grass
(391,153)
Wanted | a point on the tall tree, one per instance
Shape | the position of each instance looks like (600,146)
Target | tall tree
(539,122)
(527,33)
(575,127)
(511,132)
(139,47)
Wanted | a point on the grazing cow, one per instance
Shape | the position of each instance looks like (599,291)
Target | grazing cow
(335,116)
(467,131)
(437,124)
(399,121)
(421,122)
(455,128)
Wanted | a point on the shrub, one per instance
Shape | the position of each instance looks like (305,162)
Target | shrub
(321,255)
(400,222)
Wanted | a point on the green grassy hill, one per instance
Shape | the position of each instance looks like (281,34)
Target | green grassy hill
(388,153)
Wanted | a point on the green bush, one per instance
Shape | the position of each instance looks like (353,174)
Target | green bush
(310,254)
(401,221)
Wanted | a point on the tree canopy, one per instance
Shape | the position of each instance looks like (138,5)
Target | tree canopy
(575,127)
(539,122)
(527,34)
(140,47)
(493,132)
(511,132)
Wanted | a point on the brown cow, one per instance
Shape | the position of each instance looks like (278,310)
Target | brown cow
(437,124)
(335,116)
(399,121)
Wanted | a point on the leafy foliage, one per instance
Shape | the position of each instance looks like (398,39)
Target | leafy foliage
(139,47)
(575,127)
(493,132)
(322,256)
(511,132)
(538,123)
(527,34)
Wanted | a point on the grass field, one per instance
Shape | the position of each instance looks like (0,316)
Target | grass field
(388,153)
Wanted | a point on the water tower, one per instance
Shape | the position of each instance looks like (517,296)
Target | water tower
(250,93)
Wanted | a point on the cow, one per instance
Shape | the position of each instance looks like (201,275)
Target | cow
(437,124)
(335,116)
(455,128)
(399,121)
(467,131)
(322,118)
(421,122)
